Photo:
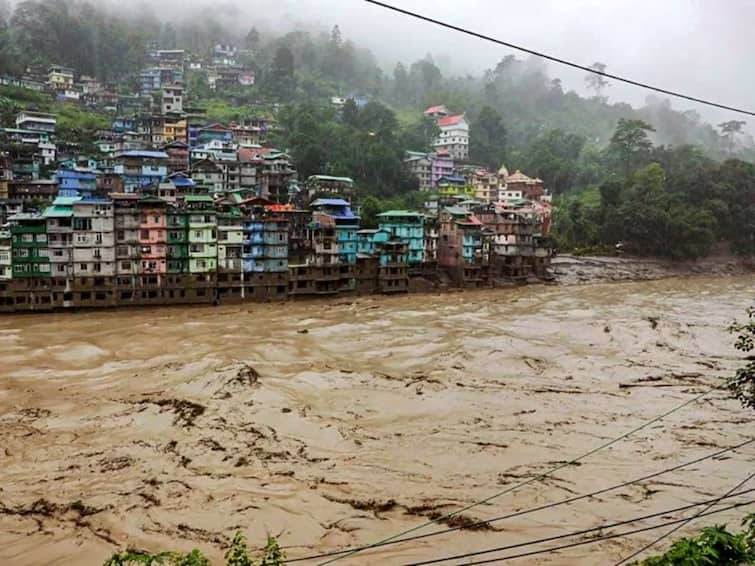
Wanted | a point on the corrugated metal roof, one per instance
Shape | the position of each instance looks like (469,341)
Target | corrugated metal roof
(58,212)
(399,213)
(143,153)
(331,202)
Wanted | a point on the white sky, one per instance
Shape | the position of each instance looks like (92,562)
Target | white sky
(704,48)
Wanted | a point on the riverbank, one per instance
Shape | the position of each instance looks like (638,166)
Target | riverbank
(571,270)
(333,424)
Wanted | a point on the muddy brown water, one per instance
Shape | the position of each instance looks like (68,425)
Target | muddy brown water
(332,424)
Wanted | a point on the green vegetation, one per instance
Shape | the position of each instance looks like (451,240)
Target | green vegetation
(236,555)
(714,546)
(665,201)
(742,385)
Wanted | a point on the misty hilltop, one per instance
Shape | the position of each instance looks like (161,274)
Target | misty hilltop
(110,41)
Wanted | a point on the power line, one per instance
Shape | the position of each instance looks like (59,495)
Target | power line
(586,531)
(680,525)
(603,537)
(556,59)
(533,509)
(533,479)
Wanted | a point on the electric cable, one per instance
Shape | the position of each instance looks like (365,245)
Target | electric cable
(533,479)
(556,59)
(534,509)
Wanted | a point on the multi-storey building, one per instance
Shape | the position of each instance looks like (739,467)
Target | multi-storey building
(178,240)
(172,99)
(230,235)
(202,226)
(347,225)
(408,227)
(31,251)
(454,136)
(153,237)
(141,169)
(75,182)
(93,239)
(36,121)
(59,219)
(6,252)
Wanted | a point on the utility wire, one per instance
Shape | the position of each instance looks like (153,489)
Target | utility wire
(555,59)
(534,509)
(533,479)
(709,503)
(680,525)
(600,539)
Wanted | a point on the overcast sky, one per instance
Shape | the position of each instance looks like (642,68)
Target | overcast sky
(704,48)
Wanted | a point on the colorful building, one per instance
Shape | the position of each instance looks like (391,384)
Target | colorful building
(6,253)
(178,240)
(31,251)
(153,236)
(141,169)
(59,218)
(93,238)
(346,226)
(202,226)
(75,182)
(408,227)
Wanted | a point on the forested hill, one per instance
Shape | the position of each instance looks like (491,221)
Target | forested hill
(314,65)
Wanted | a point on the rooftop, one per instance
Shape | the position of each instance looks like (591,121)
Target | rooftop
(399,213)
(450,120)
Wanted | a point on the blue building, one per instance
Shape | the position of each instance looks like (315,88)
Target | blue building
(347,226)
(76,182)
(408,227)
(122,125)
(141,169)
(265,244)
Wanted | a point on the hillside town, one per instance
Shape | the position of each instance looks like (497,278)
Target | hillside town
(174,208)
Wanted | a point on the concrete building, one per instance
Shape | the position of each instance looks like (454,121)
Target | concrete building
(31,251)
(454,136)
(93,238)
(202,227)
(408,227)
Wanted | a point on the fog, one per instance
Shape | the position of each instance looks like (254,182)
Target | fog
(700,47)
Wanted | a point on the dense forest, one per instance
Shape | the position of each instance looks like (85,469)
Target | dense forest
(658,180)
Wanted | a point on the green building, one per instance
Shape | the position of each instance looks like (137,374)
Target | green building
(202,226)
(408,227)
(30,249)
(178,240)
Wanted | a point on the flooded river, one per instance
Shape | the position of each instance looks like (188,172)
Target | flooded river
(330,424)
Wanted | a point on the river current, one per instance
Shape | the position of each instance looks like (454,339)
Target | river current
(333,424)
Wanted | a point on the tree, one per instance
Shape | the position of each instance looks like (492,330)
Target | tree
(371,207)
(252,39)
(350,112)
(238,553)
(487,138)
(730,130)
(714,546)
(742,385)
(595,81)
(554,157)
(401,87)
(630,142)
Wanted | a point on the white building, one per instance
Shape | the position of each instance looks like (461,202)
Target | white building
(6,269)
(93,238)
(454,136)
(36,121)
(172,99)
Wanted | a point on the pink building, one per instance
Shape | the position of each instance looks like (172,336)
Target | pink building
(441,165)
(153,236)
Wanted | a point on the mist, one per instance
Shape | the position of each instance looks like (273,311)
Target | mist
(699,48)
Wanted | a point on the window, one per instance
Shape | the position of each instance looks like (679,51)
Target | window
(144,234)
(83,266)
